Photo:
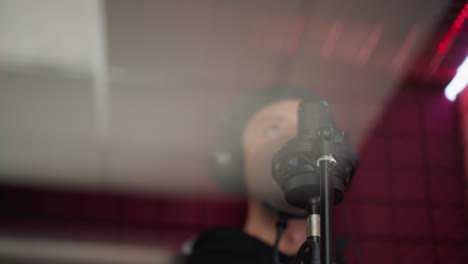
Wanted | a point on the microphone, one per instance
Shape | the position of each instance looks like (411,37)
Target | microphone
(295,166)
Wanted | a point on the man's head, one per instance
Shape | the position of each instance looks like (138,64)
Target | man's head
(264,134)
(251,133)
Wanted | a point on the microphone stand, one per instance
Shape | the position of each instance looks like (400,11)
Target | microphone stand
(327,203)
(318,247)
(314,169)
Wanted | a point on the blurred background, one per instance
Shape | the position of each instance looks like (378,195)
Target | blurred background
(108,110)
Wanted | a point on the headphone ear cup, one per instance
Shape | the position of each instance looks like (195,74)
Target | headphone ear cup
(227,168)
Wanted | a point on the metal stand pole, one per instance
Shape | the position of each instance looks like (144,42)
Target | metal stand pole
(326,189)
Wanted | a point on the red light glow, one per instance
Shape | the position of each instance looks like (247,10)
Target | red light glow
(448,38)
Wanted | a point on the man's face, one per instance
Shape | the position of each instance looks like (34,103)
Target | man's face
(266,132)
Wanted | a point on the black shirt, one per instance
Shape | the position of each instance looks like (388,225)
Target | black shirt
(229,245)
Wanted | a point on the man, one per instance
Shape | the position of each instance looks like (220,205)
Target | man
(252,132)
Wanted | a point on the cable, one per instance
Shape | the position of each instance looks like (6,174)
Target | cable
(281,225)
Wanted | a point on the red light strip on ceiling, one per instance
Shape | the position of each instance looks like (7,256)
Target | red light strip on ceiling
(455,28)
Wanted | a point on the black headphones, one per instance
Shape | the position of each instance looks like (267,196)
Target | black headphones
(226,157)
